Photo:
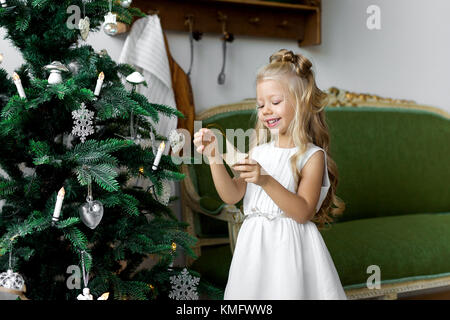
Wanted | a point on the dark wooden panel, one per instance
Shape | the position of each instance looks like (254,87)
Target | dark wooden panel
(246,17)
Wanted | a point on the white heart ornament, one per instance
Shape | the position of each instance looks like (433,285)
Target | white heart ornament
(84,26)
(91,213)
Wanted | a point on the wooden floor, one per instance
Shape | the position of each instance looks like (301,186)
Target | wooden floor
(442,295)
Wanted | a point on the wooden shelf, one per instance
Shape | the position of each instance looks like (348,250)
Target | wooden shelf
(300,22)
(271,4)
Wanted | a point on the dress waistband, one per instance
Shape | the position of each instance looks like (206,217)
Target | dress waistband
(256,212)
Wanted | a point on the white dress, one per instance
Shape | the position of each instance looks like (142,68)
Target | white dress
(275,257)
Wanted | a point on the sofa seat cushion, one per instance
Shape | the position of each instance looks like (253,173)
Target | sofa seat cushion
(407,247)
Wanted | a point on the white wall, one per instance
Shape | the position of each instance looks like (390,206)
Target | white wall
(409,58)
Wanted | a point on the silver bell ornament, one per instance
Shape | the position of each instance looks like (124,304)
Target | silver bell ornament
(110,24)
(91,213)
(12,285)
(74,67)
(125,3)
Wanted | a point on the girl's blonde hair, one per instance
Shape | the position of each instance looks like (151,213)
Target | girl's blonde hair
(308,125)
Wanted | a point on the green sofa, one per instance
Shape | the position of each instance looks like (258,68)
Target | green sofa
(393,159)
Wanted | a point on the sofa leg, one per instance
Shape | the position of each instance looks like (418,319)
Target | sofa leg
(188,217)
(189,260)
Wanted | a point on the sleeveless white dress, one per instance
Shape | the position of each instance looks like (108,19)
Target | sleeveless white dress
(277,258)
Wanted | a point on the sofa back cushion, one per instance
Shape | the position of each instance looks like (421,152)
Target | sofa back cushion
(391,160)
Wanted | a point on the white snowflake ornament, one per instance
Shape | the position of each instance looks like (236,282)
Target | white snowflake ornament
(184,286)
(82,122)
(164,198)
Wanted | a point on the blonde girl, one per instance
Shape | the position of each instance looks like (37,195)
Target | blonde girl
(288,188)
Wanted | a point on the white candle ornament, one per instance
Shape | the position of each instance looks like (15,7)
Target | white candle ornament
(58,205)
(19,86)
(158,155)
(98,87)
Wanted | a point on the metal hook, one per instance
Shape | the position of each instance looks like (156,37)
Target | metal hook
(189,20)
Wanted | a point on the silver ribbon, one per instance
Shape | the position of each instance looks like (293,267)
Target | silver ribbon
(272,215)
(85,274)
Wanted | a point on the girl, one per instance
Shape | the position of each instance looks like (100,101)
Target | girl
(289,187)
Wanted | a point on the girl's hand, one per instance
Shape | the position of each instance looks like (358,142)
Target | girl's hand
(206,142)
(251,171)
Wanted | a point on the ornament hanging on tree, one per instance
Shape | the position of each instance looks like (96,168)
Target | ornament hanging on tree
(176,140)
(84,24)
(86,292)
(184,286)
(12,284)
(165,192)
(135,79)
(55,68)
(83,122)
(73,67)
(91,213)
(110,24)
(125,3)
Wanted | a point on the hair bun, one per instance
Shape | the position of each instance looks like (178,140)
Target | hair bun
(302,64)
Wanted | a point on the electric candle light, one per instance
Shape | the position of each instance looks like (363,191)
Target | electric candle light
(58,205)
(98,87)
(158,155)
(19,86)
(3,2)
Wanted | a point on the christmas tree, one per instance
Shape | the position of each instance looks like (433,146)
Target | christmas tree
(67,155)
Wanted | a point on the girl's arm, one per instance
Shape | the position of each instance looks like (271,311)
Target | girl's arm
(299,206)
(230,190)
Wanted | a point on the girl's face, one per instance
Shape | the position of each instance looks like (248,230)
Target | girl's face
(275,112)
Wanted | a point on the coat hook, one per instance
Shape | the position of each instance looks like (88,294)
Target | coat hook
(254,20)
(227,36)
(283,24)
(189,20)
(193,35)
